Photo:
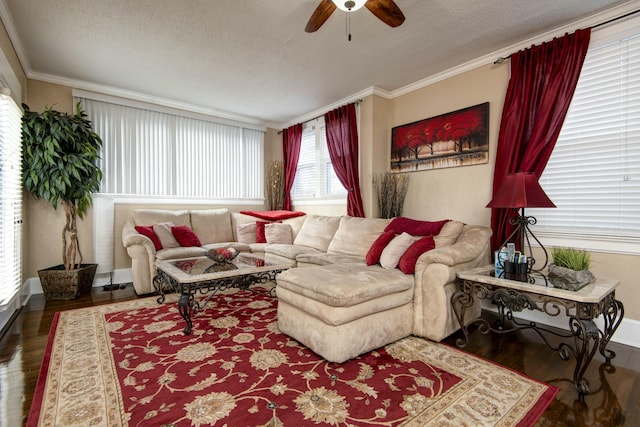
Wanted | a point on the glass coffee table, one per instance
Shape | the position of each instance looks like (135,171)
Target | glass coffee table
(201,276)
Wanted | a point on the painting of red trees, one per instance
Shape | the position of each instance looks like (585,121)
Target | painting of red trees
(458,138)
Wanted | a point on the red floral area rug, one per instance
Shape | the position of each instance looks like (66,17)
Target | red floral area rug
(129,364)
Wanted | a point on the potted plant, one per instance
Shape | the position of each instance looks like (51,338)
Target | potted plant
(59,165)
(570,268)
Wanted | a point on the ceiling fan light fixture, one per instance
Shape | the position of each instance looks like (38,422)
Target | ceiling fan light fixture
(349,5)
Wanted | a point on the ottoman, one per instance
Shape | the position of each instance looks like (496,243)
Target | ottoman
(343,310)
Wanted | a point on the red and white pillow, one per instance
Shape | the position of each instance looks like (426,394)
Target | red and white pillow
(402,243)
(265,232)
(166,235)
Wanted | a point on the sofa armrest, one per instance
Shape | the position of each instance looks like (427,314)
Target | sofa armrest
(143,258)
(131,237)
(436,281)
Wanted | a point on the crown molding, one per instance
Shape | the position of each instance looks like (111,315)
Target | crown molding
(490,58)
(141,97)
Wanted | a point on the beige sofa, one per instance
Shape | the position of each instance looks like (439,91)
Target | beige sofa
(332,301)
(214,227)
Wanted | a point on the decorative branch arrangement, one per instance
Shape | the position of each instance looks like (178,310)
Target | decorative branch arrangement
(391,190)
(275,185)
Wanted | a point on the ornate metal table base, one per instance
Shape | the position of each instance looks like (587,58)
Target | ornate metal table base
(189,305)
(587,338)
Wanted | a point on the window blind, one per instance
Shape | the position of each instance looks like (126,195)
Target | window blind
(593,175)
(10,199)
(152,153)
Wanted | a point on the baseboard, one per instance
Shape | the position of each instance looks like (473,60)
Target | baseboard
(628,332)
(119,276)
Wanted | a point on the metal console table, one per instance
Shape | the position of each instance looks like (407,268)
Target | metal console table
(201,276)
(536,293)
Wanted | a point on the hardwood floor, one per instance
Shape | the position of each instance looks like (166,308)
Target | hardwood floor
(612,402)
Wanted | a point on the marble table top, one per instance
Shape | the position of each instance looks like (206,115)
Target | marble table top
(592,293)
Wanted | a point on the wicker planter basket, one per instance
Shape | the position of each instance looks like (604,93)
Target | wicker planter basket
(60,284)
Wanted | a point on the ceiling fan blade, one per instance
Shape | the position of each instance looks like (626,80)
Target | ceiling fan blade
(387,11)
(320,15)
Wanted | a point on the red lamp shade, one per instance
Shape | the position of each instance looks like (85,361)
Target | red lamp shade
(520,190)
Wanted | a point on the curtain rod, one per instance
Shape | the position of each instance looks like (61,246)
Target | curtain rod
(357,102)
(504,58)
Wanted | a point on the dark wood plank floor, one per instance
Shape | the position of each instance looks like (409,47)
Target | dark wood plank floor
(614,400)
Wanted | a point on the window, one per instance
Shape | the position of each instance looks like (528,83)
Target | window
(315,176)
(10,200)
(593,175)
(155,153)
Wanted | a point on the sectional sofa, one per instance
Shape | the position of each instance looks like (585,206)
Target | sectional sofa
(338,300)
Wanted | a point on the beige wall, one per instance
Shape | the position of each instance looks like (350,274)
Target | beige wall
(459,193)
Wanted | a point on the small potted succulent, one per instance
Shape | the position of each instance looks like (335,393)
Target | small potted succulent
(570,268)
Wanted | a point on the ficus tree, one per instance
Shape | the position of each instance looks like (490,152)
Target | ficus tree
(60,165)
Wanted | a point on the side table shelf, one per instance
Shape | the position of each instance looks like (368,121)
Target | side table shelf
(581,307)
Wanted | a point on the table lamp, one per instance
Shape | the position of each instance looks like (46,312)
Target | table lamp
(519,191)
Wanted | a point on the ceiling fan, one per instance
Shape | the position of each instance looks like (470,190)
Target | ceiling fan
(386,10)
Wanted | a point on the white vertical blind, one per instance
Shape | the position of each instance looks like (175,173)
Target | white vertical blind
(10,199)
(159,154)
(593,175)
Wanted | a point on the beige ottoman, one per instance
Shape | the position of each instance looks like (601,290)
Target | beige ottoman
(343,310)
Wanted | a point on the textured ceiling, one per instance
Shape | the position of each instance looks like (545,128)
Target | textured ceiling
(251,59)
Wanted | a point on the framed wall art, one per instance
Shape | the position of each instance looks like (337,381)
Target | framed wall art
(459,138)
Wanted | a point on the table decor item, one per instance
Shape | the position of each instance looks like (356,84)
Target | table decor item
(570,268)
(222,255)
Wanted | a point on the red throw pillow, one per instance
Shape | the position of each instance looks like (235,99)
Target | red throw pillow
(147,230)
(273,215)
(415,227)
(373,256)
(260,235)
(407,263)
(185,236)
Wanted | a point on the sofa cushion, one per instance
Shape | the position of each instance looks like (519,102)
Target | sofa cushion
(246,233)
(212,225)
(163,231)
(395,249)
(275,232)
(415,227)
(288,251)
(327,258)
(356,235)
(449,234)
(407,263)
(238,219)
(327,283)
(180,253)
(185,236)
(317,231)
(154,216)
(260,235)
(373,255)
(147,230)
(240,247)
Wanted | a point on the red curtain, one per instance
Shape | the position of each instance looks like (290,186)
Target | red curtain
(291,142)
(543,80)
(342,141)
